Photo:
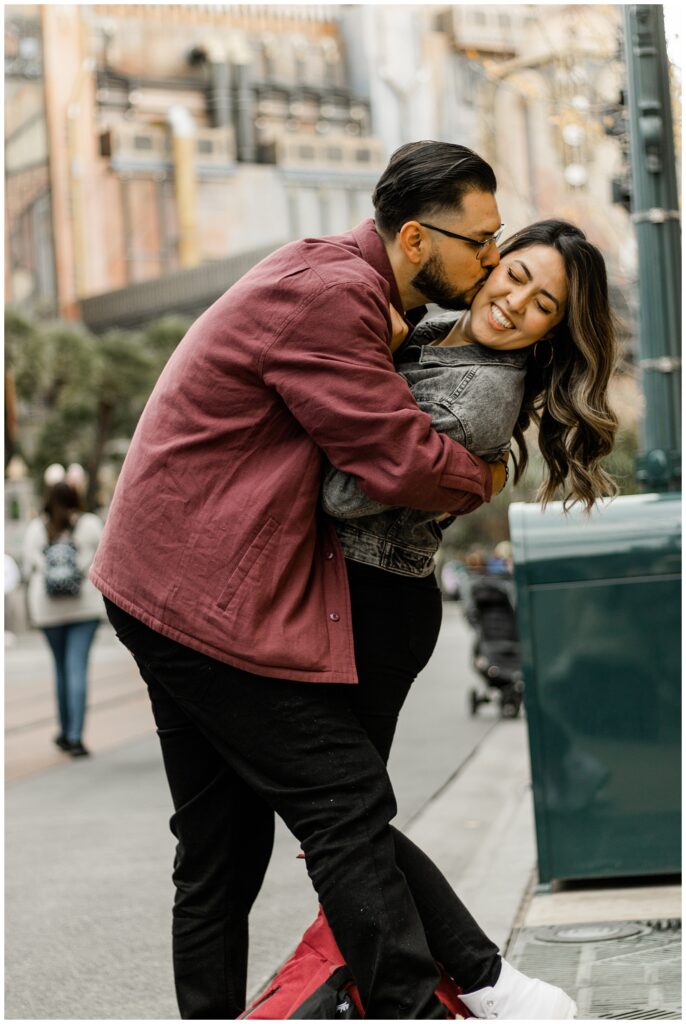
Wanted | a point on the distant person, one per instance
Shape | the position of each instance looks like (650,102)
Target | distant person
(12,581)
(503,552)
(76,476)
(475,560)
(59,547)
(450,579)
(54,474)
(497,562)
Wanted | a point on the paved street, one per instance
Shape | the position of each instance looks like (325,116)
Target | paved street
(118,706)
(88,851)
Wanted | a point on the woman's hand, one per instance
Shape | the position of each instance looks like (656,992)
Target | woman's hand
(399,329)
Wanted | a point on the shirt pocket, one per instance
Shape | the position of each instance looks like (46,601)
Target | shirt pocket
(252,564)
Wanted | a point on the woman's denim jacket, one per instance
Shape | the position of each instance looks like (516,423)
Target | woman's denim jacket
(474,395)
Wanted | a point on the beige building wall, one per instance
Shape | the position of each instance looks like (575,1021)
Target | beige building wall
(541,119)
(116,217)
(503,79)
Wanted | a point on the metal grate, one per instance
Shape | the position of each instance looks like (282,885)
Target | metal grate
(626,971)
(645,1015)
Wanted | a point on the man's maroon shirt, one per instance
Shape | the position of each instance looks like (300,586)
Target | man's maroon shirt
(215,537)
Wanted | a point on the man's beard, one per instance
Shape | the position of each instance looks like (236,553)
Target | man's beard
(431,282)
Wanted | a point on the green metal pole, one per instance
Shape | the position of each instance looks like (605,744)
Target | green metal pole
(656,218)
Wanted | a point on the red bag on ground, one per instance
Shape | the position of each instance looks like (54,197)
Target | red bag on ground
(316,984)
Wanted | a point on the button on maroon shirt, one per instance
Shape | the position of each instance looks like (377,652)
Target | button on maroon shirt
(215,537)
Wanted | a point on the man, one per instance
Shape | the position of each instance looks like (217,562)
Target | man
(230,590)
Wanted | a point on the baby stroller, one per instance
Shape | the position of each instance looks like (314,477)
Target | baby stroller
(496,654)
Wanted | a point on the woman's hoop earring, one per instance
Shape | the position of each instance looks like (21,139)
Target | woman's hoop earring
(544,366)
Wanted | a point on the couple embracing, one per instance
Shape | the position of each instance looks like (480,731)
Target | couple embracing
(268,557)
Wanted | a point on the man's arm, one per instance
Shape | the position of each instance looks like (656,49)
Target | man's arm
(343,498)
(333,369)
(342,495)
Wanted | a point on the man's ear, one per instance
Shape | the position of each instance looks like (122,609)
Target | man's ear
(413,242)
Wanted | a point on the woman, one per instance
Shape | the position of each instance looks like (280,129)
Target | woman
(59,547)
(538,345)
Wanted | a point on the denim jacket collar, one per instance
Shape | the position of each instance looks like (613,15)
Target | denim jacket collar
(426,333)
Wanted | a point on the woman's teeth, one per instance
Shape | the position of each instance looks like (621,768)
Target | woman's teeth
(500,317)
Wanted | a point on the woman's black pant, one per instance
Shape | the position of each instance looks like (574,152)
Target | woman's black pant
(237,747)
(396,622)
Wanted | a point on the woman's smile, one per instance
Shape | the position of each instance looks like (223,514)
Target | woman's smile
(497,318)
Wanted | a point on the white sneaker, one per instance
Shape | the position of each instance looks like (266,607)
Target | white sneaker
(517,997)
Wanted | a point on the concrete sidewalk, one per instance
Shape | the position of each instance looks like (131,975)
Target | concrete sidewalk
(614,946)
(88,850)
(88,855)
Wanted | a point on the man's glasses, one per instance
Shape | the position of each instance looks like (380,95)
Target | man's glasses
(481,246)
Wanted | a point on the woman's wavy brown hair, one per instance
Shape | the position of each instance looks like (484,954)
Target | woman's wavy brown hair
(565,391)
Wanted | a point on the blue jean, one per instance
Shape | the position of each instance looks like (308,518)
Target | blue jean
(70,645)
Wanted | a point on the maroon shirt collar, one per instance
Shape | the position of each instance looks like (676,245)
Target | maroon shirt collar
(374,252)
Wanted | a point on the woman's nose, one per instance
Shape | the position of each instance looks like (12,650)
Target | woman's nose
(517,300)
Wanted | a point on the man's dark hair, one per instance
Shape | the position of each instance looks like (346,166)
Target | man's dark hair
(423,178)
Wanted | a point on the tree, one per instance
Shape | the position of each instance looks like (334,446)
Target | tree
(76,392)
(124,376)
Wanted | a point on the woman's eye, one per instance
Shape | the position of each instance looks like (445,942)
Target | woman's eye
(517,280)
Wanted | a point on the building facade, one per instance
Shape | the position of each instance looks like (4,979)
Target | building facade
(159,138)
(535,89)
(144,141)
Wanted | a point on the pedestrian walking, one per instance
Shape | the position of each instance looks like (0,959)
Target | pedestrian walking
(59,547)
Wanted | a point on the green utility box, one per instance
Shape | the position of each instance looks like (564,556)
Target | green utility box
(598,611)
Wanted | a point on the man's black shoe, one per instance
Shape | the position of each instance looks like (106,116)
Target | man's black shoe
(62,742)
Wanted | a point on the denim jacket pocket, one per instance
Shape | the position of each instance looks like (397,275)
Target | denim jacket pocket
(462,385)
(250,564)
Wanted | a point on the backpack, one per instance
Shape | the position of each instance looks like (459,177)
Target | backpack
(316,984)
(62,574)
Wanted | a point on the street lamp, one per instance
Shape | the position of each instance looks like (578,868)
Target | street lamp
(656,217)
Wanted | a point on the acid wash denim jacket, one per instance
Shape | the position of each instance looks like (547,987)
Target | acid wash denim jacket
(473,394)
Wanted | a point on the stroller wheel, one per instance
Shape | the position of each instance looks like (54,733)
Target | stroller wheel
(510,703)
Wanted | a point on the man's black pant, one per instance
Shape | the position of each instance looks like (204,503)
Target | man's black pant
(235,748)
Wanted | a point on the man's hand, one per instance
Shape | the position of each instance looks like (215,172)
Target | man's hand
(499,475)
(399,329)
